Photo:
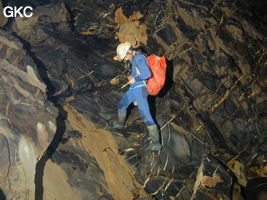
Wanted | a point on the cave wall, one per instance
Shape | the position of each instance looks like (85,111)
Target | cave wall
(28,121)
(212,111)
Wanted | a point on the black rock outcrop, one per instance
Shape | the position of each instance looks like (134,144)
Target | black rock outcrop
(60,89)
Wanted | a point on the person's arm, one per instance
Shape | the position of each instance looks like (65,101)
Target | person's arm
(143,69)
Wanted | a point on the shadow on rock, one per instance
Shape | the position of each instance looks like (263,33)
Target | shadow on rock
(169,81)
(60,122)
(61,127)
(2,195)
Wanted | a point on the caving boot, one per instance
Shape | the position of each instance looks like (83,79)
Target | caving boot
(154,134)
(120,123)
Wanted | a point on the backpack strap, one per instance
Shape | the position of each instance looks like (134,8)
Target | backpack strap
(136,67)
(138,72)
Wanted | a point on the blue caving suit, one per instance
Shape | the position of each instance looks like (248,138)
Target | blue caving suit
(138,91)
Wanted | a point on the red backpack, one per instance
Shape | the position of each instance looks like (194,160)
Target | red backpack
(157,67)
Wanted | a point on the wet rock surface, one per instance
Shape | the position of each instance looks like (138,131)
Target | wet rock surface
(57,98)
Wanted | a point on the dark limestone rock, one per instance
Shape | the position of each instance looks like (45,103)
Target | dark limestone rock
(185,29)
(3,19)
(215,101)
(213,181)
(256,189)
(167,34)
(43,21)
(62,56)
(94,18)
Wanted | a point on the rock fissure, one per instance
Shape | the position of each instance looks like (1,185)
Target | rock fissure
(57,97)
(39,173)
(60,120)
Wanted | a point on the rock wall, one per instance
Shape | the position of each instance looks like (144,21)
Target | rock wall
(3,19)
(212,111)
(27,119)
(81,162)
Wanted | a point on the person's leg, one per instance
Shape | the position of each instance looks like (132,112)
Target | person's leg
(125,101)
(154,135)
(141,95)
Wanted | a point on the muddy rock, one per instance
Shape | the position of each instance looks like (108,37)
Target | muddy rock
(212,181)
(211,111)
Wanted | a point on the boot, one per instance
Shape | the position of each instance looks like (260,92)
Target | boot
(154,134)
(121,121)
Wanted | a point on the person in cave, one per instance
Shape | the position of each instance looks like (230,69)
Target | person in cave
(137,92)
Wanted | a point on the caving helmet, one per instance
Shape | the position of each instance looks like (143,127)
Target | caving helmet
(122,50)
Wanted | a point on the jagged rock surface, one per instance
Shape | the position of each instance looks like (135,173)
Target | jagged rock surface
(27,120)
(212,110)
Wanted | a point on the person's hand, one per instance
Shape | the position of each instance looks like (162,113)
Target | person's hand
(131,79)
(116,58)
